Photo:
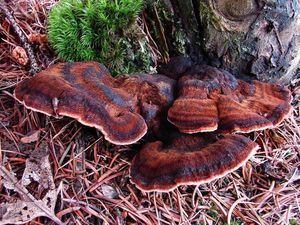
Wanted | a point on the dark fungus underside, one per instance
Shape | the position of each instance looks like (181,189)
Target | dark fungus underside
(189,159)
(211,99)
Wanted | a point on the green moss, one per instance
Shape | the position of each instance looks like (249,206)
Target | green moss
(176,38)
(207,16)
(212,211)
(293,222)
(180,41)
(235,222)
(81,30)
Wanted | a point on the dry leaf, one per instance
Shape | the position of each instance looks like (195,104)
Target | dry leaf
(20,55)
(32,137)
(38,38)
(25,210)
(247,172)
(28,207)
(22,211)
(5,26)
(278,139)
(108,191)
(38,169)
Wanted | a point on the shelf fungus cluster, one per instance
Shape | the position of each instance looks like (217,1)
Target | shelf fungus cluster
(198,144)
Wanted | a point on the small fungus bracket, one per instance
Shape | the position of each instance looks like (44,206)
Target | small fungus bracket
(211,99)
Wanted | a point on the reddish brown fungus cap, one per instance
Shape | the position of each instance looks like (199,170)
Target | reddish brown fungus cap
(154,94)
(84,91)
(87,92)
(211,99)
(189,159)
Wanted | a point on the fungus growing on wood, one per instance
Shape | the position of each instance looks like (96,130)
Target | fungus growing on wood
(211,99)
(189,159)
(126,107)
(88,93)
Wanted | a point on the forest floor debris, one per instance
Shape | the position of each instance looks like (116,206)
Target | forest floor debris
(89,181)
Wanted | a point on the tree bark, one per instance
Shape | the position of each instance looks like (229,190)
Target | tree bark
(256,38)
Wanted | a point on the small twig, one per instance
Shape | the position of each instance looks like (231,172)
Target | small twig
(162,36)
(34,68)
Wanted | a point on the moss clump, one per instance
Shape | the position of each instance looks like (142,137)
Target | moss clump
(207,17)
(165,29)
(235,222)
(81,30)
(293,222)
(212,211)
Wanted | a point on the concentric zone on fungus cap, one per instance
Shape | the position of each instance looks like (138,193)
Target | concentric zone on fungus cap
(212,99)
(85,92)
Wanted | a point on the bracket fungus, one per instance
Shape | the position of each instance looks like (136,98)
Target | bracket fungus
(212,99)
(125,108)
(88,93)
(189,159)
